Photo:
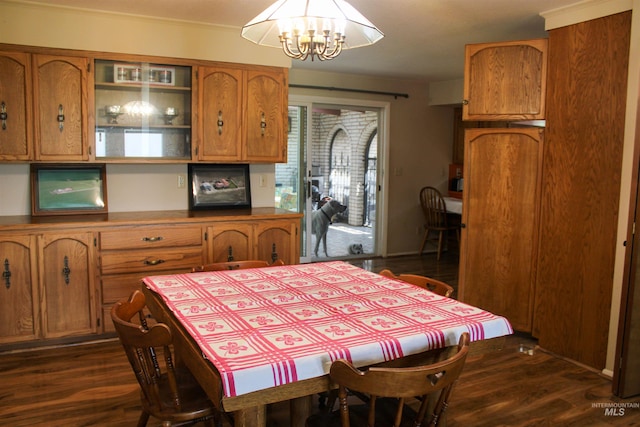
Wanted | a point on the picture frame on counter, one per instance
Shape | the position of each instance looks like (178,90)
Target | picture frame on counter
(68,189)
(219,186)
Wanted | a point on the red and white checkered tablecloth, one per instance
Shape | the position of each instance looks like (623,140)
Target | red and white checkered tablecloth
(270,326)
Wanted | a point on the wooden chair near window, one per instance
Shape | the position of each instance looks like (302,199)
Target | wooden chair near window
(433,285)
(435,214)
(388,388)
(167,392)
(236,265)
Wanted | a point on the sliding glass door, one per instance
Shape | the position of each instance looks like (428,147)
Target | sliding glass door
(336,152)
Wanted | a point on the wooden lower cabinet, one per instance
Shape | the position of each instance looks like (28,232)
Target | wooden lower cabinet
(67,284)
(128,254)
(230,241)
(499,239)
(19,309)
(49,284)
(60,278)
(265,240)
(277,240)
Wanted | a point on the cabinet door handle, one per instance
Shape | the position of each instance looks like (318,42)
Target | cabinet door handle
(6,274)
(153,262)
(230,256)
(152,239)
(66,271)
(274,253)
(263,124)
(220,122)
(60,117)
(3,115)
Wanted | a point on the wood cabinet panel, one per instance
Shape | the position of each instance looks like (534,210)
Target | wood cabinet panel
(152,260)
(499,240)
(61,107)
(243,114)
(277,240)
(231,242)
(150,238)
(67,284)
(16,119)
(588,66)
(220,106)
(19,309)
(266,117)
(505,80)
(65,279)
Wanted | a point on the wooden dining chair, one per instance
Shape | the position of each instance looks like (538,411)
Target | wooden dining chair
(433,285)
(389,388)
(434,210)
(167,392)
(236,265)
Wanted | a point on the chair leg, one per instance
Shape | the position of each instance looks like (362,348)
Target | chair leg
(424,240)
(440,235)
(144,418)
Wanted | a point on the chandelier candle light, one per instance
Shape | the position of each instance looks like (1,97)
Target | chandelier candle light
(311,28)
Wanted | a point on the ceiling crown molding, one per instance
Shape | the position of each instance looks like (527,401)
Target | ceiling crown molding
(583,11)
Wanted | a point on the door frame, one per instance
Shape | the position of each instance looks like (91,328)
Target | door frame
(384,119)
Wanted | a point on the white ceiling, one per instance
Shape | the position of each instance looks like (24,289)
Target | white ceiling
(424,39)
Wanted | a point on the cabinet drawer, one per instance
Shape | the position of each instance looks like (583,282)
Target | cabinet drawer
(118,287)
(150,237)
(151,261)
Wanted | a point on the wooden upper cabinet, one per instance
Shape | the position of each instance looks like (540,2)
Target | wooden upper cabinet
(266,116)
(61,107)
(243,115)
(220,106)
(16,120)
(505,81)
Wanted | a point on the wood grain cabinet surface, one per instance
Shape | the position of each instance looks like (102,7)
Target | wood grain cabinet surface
(54,108)
(129,254)
(505,80)
(16,114)
(243,115)
(19,300)
(61,99)
(501,215)
(60,277)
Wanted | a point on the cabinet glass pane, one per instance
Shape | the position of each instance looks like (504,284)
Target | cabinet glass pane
(142,111)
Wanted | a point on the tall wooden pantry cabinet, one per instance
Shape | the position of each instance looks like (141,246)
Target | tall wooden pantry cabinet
(542,254)
(502,169)
(586,101)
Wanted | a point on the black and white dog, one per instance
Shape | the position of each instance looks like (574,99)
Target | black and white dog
(321,220)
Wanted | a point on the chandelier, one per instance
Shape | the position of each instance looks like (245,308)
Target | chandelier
(311,28)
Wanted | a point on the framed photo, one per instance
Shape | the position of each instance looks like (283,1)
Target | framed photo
(219,186)
(137,73)
(67,189)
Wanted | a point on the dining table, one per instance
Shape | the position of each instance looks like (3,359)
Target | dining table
(258,336)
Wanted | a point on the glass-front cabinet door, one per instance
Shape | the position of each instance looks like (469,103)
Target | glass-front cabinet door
(143,111)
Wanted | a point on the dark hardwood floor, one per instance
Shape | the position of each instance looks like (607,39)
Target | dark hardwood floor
(93,385)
